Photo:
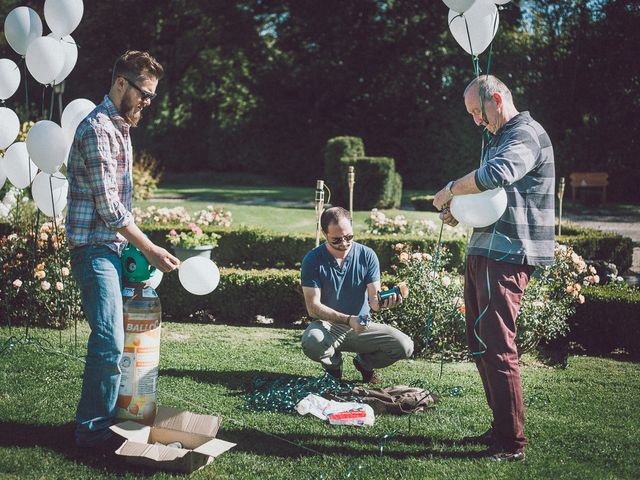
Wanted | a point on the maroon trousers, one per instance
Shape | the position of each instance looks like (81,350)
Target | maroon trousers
(497,362)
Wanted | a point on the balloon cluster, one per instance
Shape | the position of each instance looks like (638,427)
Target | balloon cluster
(49,59)
(473,23)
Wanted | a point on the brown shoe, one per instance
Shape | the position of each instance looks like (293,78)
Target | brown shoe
(485,438)
(368,376)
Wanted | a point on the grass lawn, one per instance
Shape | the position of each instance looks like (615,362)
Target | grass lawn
(257,202)
(582,421)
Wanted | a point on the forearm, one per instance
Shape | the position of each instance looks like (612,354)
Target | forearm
(463,186)
(136,237)
(322,312)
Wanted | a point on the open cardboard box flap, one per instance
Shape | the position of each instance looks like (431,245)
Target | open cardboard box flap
(169,418)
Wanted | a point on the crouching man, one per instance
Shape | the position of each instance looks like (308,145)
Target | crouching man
(340,282)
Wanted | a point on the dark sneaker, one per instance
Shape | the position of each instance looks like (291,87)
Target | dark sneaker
(368,376)
(501,455)
(335,373)
(106,447)
(485,438)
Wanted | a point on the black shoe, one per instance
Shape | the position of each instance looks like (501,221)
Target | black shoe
(335,373)
(498,454)
(368,376)
(485,438)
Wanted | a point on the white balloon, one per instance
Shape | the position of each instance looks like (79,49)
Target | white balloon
(46,145)
(63,16)
(17,165)
(199,275)
(459,6)
(70,50)
(9,127)
(9,78)
(45,59)
(50,193)
(479,209)
(501,2)
(21,27)
(155,279)
(482,22)
(73,114)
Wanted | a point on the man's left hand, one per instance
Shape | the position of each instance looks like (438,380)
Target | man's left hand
(392,301)
(442,198)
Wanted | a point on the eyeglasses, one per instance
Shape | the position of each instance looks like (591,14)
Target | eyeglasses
(143,94)
(339,240)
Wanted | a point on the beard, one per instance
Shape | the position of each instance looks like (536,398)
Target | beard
(130,111)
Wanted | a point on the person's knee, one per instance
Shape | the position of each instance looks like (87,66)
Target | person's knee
(406,347)
(313,344)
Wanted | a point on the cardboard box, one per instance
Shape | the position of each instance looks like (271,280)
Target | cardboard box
(195,432)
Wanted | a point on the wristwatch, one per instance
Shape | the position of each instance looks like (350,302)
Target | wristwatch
(449,187)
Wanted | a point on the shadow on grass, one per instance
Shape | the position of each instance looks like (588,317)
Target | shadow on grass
(60,439)
(234,380)
(289,445)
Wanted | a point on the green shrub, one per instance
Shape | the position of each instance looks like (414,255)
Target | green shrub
(238,299)
(335,151)
(378,185)
(595,244)
(146,175)
(423,203)
(609,319)
(257,248)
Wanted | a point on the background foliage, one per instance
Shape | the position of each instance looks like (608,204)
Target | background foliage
(261,86)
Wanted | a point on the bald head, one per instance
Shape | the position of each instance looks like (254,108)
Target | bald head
(489,102)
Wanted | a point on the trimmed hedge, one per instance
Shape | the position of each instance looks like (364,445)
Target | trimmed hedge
(252,248)
(598,245)
(608,319)
(423,203)
(239,298)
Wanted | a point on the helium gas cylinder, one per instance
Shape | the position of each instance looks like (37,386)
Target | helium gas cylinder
(142,325)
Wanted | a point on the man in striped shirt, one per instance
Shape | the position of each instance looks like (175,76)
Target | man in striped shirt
(99,224)
(502,256)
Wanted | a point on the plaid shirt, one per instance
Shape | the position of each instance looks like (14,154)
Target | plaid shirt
(100,184)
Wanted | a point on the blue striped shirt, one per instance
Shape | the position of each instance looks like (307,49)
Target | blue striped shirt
(520,159)
(100,183)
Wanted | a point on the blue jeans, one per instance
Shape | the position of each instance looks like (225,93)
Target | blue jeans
(98,273)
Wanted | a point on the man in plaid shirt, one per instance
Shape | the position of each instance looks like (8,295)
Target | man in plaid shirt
(99,224)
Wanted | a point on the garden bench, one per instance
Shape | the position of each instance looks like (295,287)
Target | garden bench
(589,180)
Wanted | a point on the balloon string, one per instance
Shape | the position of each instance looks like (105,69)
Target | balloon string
(53,94)
(26,91)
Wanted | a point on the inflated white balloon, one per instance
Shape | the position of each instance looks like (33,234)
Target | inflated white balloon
(481,19)
(70,50)
(17,165)
(155,279)
(45,59)
(479,209)
(9,78)
(63,16)
(199,275)
(21,27)
(46,145)
(9,127)
(459,6)
(501,2)
(73,114)
(50,193)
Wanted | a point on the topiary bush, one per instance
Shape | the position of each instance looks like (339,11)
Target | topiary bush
(336,151)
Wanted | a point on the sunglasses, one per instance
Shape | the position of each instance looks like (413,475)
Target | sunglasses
(339,240)
(143,94)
